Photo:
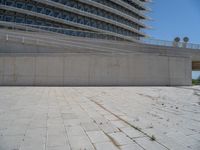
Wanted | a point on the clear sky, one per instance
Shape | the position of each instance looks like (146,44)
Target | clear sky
(172,18)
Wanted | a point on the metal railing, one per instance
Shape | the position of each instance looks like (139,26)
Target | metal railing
(157,42)
(63,44)
(94,35)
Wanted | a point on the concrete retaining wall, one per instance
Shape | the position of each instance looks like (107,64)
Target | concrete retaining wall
(94,69)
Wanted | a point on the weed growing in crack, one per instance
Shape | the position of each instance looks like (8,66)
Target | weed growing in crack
(153,138)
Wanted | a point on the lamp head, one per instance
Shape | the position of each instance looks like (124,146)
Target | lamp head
(186,39)
(177,39)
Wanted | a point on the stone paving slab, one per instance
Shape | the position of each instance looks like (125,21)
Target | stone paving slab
(100,118)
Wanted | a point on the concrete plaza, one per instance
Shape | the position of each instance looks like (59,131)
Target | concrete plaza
(101,118)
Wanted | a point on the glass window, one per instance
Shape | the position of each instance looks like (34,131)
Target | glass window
(19,20)
(8,18)
(19,4)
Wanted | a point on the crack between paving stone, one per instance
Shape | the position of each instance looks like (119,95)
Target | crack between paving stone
(133,139)
(46,136)
(67,136)
(112,140)
(28,126)
(138,129)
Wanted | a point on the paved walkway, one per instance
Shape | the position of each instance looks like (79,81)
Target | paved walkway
(102,118)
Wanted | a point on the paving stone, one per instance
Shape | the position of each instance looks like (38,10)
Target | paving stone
(36,132)
(5,123)
(90,126)
(131,132)
(194,147)
(100,120)
(39,123)
(54,121)
(120,138)
(32,146)
(14,130)
(108,128)
(106,146)
(59,130)
(146,143)
(80,143)
(131,147)
(69,116)
(75,131)
(97,136)
(56,140)
(58,148)
(72,122)
(10,142)
(111,117)
(119,124)
(32,117)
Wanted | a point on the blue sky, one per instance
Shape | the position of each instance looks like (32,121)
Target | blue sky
(173,18)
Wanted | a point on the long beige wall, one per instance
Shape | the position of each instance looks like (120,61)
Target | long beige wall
(94,69)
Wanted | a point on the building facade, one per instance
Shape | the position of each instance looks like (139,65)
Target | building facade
(115,18)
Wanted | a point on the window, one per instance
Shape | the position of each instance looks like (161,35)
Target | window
(29,7)
(19,20)
(1,1)
(29,21)
(48,11)
(39,9)
(9,3)
(8,18)
(19,4)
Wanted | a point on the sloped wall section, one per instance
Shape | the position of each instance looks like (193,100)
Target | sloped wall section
(87,69)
